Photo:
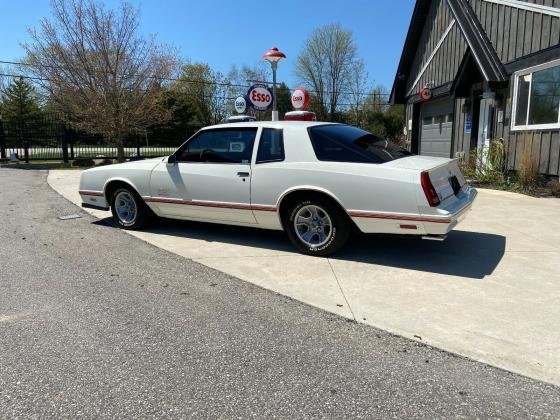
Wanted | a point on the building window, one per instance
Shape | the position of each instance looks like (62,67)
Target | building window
(537,98)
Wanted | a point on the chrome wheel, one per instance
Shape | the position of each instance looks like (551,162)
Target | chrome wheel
(313,225)
(125,207)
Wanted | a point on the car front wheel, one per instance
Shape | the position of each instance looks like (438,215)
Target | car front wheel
(129,210)
(317,227)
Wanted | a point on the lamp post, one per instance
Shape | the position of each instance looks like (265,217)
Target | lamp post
(273,56)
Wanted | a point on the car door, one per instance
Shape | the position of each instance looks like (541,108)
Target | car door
(211,178)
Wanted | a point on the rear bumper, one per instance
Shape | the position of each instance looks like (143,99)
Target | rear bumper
(453,213)
(432,221)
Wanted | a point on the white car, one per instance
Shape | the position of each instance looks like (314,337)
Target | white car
(316,181)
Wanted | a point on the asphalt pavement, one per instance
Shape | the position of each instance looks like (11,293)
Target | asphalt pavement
(97,323)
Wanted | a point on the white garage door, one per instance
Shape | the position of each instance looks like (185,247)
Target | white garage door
(436,128)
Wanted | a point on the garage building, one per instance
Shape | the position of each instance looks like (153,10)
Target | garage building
(473,71)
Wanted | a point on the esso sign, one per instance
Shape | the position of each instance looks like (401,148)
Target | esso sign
(240,105)
(425,94)
(300,99)
(260,97)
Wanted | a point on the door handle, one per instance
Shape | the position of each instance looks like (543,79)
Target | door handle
(243,174)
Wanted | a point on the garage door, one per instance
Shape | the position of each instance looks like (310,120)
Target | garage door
(437,128)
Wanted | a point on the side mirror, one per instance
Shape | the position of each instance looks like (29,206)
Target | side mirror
(172,160)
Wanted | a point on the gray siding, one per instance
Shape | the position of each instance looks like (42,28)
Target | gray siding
(446,62)
(545,144)
(515,33)
(545,147)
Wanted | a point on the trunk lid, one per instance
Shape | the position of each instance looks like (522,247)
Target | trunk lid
(445,175)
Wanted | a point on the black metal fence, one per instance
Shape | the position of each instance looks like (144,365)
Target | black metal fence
(72,152)
(47,139)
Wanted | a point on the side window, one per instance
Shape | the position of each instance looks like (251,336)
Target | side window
(220,146)
(271,146)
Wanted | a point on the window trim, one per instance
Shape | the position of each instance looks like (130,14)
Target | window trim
(516,76)
(199,132)
(257,161)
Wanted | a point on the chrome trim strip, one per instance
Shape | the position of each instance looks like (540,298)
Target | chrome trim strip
(90,192)
(213,204)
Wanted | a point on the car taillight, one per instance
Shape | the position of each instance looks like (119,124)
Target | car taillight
(429,190)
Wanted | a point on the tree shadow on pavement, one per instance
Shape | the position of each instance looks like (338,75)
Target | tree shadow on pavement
(464,254)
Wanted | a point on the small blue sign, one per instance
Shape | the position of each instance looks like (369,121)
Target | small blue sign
(468,124)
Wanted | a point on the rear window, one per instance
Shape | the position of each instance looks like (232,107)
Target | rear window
(344,143)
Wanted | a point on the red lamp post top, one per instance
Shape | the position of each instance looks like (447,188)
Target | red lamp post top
(273,55)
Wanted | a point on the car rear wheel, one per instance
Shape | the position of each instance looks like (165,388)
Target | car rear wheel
(129,210)
(317,227)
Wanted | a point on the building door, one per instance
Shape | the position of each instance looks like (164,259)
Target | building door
(436,128)
(484,128)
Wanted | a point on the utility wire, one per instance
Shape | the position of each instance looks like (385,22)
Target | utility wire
(222,98)
(179,79)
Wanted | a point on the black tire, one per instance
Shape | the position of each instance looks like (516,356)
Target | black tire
(143,213)
(339,233)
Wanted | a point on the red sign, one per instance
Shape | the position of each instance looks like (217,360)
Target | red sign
(425,94)
(300,99)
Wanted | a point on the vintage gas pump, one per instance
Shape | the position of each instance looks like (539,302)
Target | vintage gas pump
(300,101)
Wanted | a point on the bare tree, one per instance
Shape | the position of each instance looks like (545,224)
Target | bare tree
(324,64)
(357,88)
(241,79)
(98,71)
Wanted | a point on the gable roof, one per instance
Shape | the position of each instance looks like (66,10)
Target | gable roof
(479,45)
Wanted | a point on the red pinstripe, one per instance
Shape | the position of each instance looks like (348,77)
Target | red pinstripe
(371,215)
(259,207)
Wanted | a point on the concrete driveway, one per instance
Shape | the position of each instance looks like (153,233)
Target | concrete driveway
(490,292)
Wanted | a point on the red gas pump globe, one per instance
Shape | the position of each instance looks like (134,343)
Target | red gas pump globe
(300,99)
(300,116)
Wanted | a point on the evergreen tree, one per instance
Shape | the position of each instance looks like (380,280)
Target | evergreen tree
(19,105)
(283,100)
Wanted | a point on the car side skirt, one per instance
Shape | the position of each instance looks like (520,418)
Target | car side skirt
(367,221)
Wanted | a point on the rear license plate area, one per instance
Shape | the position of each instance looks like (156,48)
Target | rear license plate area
(454,182)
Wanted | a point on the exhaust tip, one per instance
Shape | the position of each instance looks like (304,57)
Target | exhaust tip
(439,238)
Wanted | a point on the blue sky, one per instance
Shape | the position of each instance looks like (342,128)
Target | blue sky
(223,33)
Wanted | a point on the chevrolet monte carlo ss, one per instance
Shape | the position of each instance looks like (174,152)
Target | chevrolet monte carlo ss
(316,181)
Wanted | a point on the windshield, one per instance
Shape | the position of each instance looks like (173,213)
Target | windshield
(344,143)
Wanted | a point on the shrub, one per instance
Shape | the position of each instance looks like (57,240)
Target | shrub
(528,174)
(83,162)
(555,189)
(487,166)
(105,162)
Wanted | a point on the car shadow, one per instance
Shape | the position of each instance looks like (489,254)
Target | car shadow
(464,254)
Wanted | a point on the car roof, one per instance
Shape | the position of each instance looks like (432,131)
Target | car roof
(269,124)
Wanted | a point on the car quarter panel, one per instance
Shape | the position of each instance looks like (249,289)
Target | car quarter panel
(94,181)
(357,187)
